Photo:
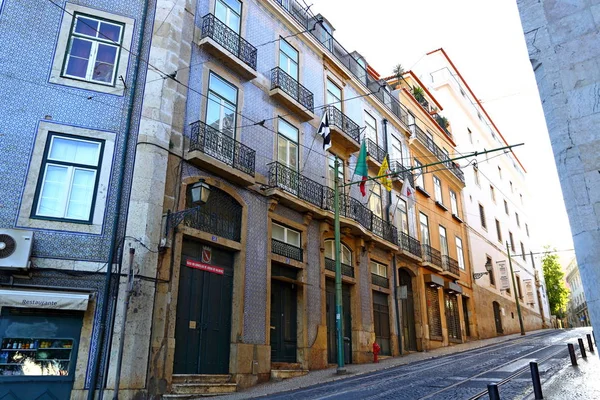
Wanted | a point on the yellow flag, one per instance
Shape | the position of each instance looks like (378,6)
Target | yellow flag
(386,181)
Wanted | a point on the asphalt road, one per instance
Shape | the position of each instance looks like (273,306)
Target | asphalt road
(462,375)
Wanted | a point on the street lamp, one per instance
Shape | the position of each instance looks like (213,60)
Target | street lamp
(488,268)
(199,193)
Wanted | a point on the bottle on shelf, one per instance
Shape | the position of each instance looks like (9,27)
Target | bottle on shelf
(35,344)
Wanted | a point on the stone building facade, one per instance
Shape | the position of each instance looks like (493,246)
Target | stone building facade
(577,312)
(562,40)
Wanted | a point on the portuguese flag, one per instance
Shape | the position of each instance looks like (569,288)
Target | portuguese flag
(361,168)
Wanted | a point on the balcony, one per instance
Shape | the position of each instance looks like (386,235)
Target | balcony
(314,194)
(409,245)
(228,46)
(286,250)
(347,270)
(344,131)
(431,256)
(215,151)
(292,94)
(450,266)
(379,280)
(376,153)
(438,152)
(402,173)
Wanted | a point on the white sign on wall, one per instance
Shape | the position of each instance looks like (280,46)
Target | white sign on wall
(529,291)
(504,279)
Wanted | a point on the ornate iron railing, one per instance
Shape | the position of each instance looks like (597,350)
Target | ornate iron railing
(286,250)
(215,29)
(425,104)
(384,230)
(215,143)
(438,152)
(347,270)
(451,265)
(380,88)
(344,123)
(410,244)
(402,173)
(349,208)
(380,280)
(375,152)
(280,79)
(431,255)
(293,182)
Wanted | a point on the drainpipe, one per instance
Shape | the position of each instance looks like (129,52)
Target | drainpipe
(115,223)
(387,217)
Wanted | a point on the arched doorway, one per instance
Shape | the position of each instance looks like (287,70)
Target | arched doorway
(408,311)
(497,318)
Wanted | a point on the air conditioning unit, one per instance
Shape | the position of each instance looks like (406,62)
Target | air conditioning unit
(15,248)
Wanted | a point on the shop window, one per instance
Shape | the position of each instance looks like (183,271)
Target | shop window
(433,313)
(35,356)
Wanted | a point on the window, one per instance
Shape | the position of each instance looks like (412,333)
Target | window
(378,269)
(492,193)
(221,105)
(229,12)
(491,272)
(287,144)
(285,234)
(498,231)
(330,252)
(470,135)
(443,241)
(527,229)
(459,253)
(69,178)
(334,95)
(506,207)
(419,175)
(500,172)
(437,189)
(521,196)
(371,127)
(424,223)
(401,216)
(288,59)
(523,251)
(396,153)
(482,217)
(517,218)
(453,203)
(375,200)
(331,172)
(518,289)
(512,242)
(476,175)
(511,187)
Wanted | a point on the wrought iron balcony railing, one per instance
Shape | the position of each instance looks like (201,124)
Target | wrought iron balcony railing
(380,280)
(437,151)
(451,265)
(306,189)
(375,152)
(410,244)
(380,88)
(218,145)
(344,123)
(215,29)
(431,255)
(286,250)
(403,173)
(347,270)
(293,88)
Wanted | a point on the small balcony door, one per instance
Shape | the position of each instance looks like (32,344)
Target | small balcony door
(221,113)
(287,155)
(229,12)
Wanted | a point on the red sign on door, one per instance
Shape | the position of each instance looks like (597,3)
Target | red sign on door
(204,267)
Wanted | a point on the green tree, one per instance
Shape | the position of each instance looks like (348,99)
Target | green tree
(555,284)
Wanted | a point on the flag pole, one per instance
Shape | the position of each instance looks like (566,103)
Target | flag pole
(338,272)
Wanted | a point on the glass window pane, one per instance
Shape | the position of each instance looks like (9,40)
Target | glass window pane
(86,26)
(75,151)
(329,245)
(222,88)
(293,156)
(107,53)
(288,50)
(82,192)
(282,150)
(346,255)
(80,48)
(54,191)
(110,32)
(292,70)
(235,5)
(293,238)
(278,232)
(77,67)
(288,130)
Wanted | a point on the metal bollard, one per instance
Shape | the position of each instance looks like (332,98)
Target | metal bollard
(572,354)
(535,377)
(493,391)
(590,345)
(582,348)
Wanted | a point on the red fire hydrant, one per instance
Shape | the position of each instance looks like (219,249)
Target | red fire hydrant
(376,350)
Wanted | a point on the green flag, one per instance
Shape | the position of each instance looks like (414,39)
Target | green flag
(361,168)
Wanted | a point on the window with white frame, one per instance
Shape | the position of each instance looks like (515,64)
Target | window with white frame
(512,241)
(378,269)
(459,253)
(424,224)
(93,50)
(229,12)
(443,241)
(500,172)
(288,59)
(371,127)
(287,144)
(498,231)
(476,176)
(330,252)
(517,218)
(285,234)
(375,200)
(221,105)
(523,251)
(331,172)
(401,216)
(506,207)
(333,95)
(419,174)
(69,178)
(482,217)
(437,189)
(493,193)
(453,203)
